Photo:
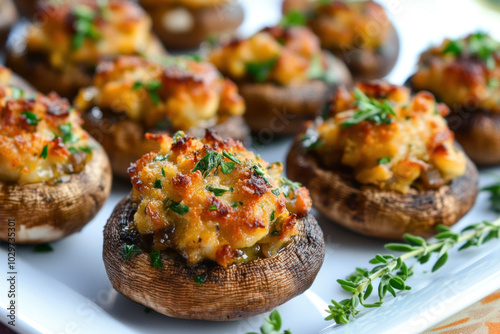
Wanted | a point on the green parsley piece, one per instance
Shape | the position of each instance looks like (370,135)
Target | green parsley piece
(217,191)
(129,250)
(258,170)
(158,184)
(212,207)
(176,207)
(293,18)
(384,160)
(156,259)
(200,279)
(31,118)
(45,151)
(369,109)
(152,88)
(276,191)
(260,71)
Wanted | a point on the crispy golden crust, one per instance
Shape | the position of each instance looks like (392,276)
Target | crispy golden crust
(410,147)
(183,27)
(379,213)
(231,293)
(211,199)
(170,93)
(45,213)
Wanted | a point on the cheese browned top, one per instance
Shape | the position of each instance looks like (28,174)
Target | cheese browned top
(180,92)
(210,199)
(286,56)
(40,137)
(347,25)
(388,138)
(83,32)
(462,72)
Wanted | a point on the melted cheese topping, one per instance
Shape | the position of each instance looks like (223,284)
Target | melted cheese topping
(282,55)
(464,72)
(413,147)
(40,137)
(346,25)
(210,199)
(82,32)
(189,3)
(179,92)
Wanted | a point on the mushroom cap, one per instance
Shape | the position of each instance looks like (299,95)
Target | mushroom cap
(229,293)
(45,213)
(379,213)
(284,109)
(124,141)
(198,24)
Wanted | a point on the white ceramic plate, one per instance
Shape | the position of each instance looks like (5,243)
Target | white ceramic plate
(67,291)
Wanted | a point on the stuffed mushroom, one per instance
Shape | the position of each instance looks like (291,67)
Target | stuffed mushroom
(465,74)
(358,32)
(54,177)
(61,50)
(283,75)
(132,96)
(384,163)
(185,24)
(211,231)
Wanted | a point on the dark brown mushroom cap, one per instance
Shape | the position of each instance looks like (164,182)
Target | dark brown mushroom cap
(231,293)
(284,109)
(45,213)
(124,141)
(381,213)
(365,65)
(476,129)
(222,20)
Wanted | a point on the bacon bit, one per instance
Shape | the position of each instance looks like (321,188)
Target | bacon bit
(181,181)
(182,145)
(303,202)
(439,138)
(288,226)
(58,148)
(443,109)
(254,185)
(256,223)
(440,150)
(135,169)
(222,208)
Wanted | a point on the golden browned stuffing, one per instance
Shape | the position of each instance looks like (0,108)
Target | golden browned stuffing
(389,138)
(40,137)
(190,3)
(462,72)
(183,92)
(286,56)
(83,32)
(211,199)
(350,24)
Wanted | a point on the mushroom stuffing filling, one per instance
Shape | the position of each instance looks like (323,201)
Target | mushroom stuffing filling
(195,4)
(462,72)
(171,92)
(388,138)
(286,56)
(75,34)
(210,199)
(40,137)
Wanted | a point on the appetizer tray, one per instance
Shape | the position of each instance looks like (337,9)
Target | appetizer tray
(68,291)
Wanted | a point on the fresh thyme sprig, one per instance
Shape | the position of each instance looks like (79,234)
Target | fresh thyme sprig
(369,109)
(494,191)
(272,325)
(393,272)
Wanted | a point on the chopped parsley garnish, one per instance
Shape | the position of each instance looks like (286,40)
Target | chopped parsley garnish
(260,71)
(178,134)
(200,279)
(86,149)
(479,44)
(212,207)
(213,160)
(235,204)
(158,184)
(227,167)
(272,215)
(493,83)
(258,170)
(43,248)
(276,191)
(218,191)
(156,259)
(129,250)
(163,172)
(369,109)
(152,88)
(68,136)
(384,160)
(293,18)
(83,25)
(45,151)
(287,186)
(454,47)
(317,70)
(231,157)
(17,93)
(310,139)
(31,118)
(176,207)
(160,157)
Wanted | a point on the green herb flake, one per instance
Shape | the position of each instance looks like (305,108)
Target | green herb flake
(236,204)
(276,191)
(216,191)
(272,215)
(260,71)
(287,186)
(493,83)
(43,248)
(258,170)
(31,118)
(158,184)
(156,259)
(200,279)
(86,149)
(369,109)
(83,25)
(152,87)
(231,157)
(212,207)
(176,207)
(210,161)
(163,172)
(160,157)
(384,160)
(293,18)
(16,93)
(68,136)
(129,250)
(227,167)
(45,151)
